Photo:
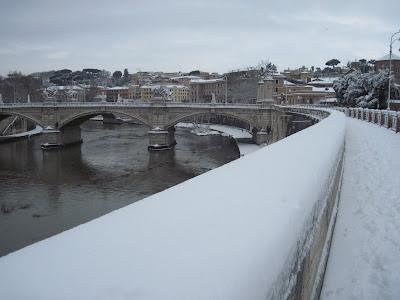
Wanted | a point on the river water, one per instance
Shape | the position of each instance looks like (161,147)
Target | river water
(44,193)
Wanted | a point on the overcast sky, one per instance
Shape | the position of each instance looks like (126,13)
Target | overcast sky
(182,35)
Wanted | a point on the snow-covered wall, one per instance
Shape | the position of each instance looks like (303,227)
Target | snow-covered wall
(241,231)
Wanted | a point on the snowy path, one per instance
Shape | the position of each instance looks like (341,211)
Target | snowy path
(364,262)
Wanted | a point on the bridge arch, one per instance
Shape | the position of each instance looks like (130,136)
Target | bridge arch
(80,118)
(6,114)
(183,117)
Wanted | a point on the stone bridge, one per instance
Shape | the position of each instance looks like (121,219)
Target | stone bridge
(61,121)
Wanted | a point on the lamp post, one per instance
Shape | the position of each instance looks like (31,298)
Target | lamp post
(226,89)
(390,65)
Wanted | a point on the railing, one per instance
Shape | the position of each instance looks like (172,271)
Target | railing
(129,104)
(386,118)
(314,112)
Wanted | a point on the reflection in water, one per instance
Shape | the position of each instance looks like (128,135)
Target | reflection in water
(44,193)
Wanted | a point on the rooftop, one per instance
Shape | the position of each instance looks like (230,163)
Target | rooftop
(118,88)
(201,81)
(387,57)
(185,77)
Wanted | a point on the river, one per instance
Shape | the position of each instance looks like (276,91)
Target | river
(45,193)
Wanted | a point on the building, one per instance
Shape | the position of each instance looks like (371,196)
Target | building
(383,63)
(304,94)
(208,90)
(171,92)
(117,93)
(301,74)
(178,93)
(282,91)
(134,91)
(185,80)
(64,93)
(147,92)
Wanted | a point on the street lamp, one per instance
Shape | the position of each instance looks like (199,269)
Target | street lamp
(226,89)
(390,65)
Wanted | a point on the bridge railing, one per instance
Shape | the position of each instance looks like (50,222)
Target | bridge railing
(256,228)
(313,112)
(386,118)
(128,104)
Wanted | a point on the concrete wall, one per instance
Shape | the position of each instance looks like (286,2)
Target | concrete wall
(311,267)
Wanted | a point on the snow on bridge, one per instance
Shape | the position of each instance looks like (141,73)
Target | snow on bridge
(364,261)
(236,232)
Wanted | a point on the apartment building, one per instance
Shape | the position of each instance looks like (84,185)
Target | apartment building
(208,90)
(176,93)
(117,93)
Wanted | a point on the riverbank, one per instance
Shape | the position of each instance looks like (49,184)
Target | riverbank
(234,132)
(12,137)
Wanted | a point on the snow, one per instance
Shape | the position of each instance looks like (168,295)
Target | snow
(364,260)
(118,88)
(329,100)
(323,89)
(97,118)
(235,132)
(201,81)
(226,234)
(185,77)
(387,57)
(246,149)
(288,83)
(34,131)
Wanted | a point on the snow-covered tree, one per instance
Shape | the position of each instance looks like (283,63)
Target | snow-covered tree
(362,89)
(266,67)
(161,92)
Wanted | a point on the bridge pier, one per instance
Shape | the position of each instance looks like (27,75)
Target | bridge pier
(62,137)
(161,139)
(111,119)
(262,137)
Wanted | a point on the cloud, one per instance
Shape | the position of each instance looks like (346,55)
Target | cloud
(183,35)
(57,55)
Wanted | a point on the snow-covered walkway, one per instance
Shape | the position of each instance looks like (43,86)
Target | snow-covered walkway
(364,261)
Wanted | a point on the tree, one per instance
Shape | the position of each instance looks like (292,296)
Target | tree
(117,74)
(362,89)
(266,67)
(17,87)
(363,65)
(161,92)
(194,73)
(332,62)
(126,75)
